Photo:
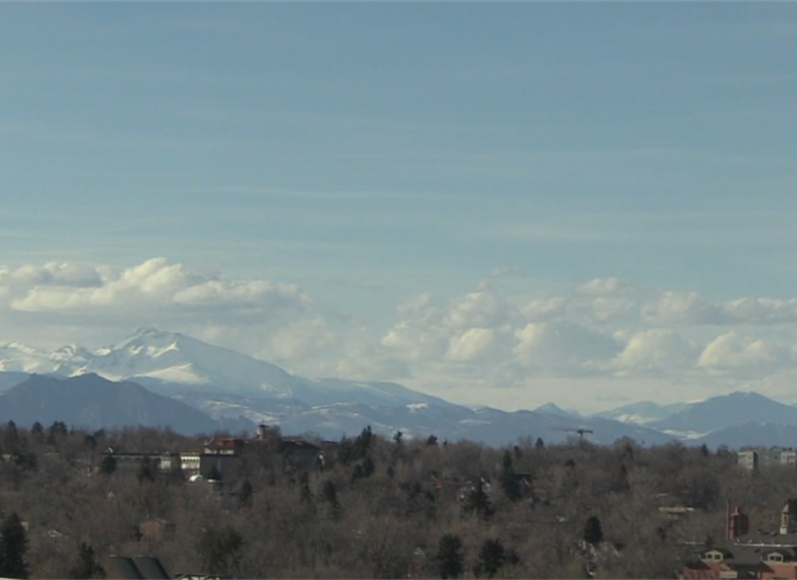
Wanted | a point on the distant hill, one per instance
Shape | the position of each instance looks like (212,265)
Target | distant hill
(727,411)
(92,402)
(642,413)
(751,435)
(11,379)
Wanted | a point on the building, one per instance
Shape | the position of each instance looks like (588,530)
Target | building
(133,568)
(748,459)
(189,463)
(755,458)
(224,446)
(750,555)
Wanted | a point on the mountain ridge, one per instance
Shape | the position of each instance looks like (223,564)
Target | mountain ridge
(226,385)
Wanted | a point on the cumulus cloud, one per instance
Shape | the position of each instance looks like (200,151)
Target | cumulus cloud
(606,329)
(156,283)
(732,351)
(564,347)
(659,351)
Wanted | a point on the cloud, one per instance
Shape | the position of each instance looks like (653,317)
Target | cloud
(659,352)
(484,339)
(154,284)
(732,351)
(564,347)
(475,344)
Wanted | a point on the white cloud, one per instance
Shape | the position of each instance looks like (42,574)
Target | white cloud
(564,347)
(658,351)
(156,283)
(607,329)
(760,311)
(732,351)
(473,344)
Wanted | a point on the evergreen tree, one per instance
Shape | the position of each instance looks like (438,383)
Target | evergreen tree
(507,461)
(593,533)
(509,481)
(491,557)
(432,440)
(363,443)
(11,438)
(108,465)
(368,466)
(13,546)
(511,486)
(539,445)
(245,494)
(219,549)
(449,557)
(87,565)
(346,451)
(304,490)
(329,492)
(37,430)
(330,495)
(146,471)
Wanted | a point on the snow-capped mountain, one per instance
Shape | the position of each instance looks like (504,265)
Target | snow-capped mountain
(175,364)
(642,413)
(229,385)
(555,410)
(15,357)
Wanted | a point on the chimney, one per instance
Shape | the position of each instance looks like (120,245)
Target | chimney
(738,523)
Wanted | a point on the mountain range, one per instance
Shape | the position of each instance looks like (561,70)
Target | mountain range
(163,378)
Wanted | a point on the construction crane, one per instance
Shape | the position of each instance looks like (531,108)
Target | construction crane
(581,431)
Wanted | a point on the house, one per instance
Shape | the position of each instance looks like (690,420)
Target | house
(227,446)
(303,453)
(748,459)
(133,568)
(755,458)
(224,465)
(750,555)
(189,463)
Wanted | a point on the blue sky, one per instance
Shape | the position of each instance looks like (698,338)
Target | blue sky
(370,153)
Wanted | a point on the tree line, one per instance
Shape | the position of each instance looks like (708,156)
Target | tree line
(376,507)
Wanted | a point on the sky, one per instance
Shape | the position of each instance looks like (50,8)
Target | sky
(504,204)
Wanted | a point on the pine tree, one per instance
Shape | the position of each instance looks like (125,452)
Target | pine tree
(108,465)
(87,565)
(13,546)
(146,472)
(539,445)
(491,557)
(509,481)
(449,557)
(219,549)
(593,533)
(368,466)
(305,494)
(245,494)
